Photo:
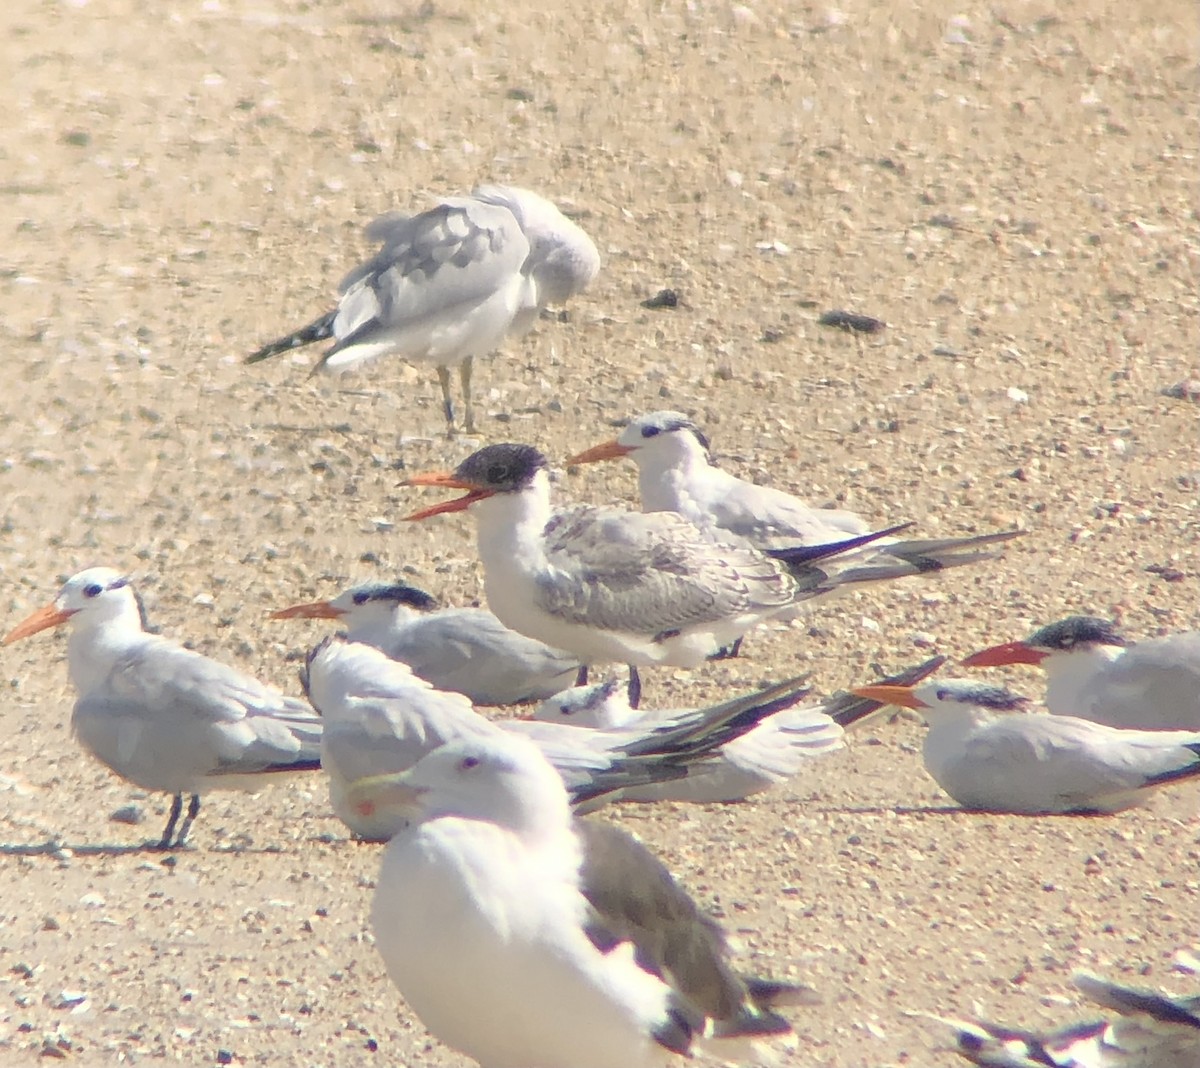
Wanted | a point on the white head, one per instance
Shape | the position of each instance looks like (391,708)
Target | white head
(562,258)
(656,441)
(501,779)
(939,699)
(603,706)
(97,597)
(336,670)
(367,605)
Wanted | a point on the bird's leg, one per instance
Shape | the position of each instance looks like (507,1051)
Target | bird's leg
(172,819)
(464,376)
(581,675)
(635,686)
(728,652)
(192,812)
(447,403)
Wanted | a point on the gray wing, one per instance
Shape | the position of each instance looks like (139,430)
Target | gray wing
(470,651)
(454,255)
(1154,685)
(635,899)
(652,573)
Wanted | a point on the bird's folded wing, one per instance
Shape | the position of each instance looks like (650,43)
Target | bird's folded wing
(651,573)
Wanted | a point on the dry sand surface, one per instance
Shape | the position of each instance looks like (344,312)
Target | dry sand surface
(1012,189)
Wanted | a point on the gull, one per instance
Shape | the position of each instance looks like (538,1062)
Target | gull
(609,585)
(380,718)
(525,938)
(460,650)
(1150,1030)
(991,761)
(776,750)
(770,754)
(161,716)
(677,473)
(1095,673)
(450,284)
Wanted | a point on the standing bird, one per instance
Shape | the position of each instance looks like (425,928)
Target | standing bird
(459,650)
(522,937)
(161,716)
(1093,672)
(450,284)
(676,473)
(989,757)
(609,585)
(379,718)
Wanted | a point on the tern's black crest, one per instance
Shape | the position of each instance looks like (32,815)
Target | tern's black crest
(981,694)
(669,422)
(1067,633)
(396,593)
(503,468)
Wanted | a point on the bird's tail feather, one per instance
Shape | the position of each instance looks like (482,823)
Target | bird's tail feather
(320,329)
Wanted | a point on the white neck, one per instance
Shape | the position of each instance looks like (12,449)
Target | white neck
(666,480)
(511,526)
(98,640)
(1070,674)
(374,625)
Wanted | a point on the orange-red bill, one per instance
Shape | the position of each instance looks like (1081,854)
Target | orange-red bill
(1008,653)
(610,450)
(889,694)
(437,478)
(457,504)
(313,610)
(42,619)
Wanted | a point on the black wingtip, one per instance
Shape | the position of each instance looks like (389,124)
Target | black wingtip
(799,555)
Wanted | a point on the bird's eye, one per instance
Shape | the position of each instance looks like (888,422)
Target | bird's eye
(94,590)
(942,695)
(467,763)
(651,431)
(361,598)
(497,473)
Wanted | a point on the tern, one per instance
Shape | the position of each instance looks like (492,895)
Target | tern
(677,473)
(989,757)
(1093,672)
(609,585)
(460,650)
(776,750)
(450,284)
(380,718)
(523,937)
(163,717)
(1150,1030)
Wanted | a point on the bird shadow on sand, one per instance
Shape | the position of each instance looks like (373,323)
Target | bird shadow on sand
(900,810)
(149,849)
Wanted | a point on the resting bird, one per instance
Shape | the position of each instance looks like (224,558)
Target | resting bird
(161,716)
(379,717)
(989,756)
(450,284)
(522,937)
(1094,672)
(459,650)
(1149,1030)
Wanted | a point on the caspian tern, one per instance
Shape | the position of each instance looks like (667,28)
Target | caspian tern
(380,718)
(521,936)
(450,284)
(1095,673)
(989,757)
(609,585)
(161,716)
(775,751)
(676,473)
(1150,1030)
(460,650)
